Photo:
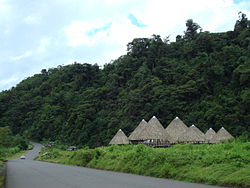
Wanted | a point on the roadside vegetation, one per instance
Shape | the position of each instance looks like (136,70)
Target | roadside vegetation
(10,145)
(226,164)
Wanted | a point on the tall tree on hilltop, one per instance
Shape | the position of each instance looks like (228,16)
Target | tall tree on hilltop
(192,28)
(242,22)
(138,47)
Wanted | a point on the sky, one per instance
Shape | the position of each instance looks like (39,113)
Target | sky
(36,35)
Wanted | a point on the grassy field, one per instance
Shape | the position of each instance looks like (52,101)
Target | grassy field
(226,164)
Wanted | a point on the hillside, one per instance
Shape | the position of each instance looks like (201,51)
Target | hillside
(203,78)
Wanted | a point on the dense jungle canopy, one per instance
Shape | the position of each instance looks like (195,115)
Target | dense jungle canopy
(203,78)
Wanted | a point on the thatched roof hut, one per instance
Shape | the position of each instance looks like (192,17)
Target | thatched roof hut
(191,136)
(176,128)
(156,122)
(137,133)
(199,132)
(156,131)
(120,138)
(221,135)
(209,135)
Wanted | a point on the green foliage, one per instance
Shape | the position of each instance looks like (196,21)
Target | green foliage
(9,144)
(224,164)
(8,140)
(1,181)
(191,32)
(242,23)
(8,152)
(5,136)
(203,78)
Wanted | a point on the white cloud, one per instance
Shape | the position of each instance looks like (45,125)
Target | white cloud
(124,32)
(32,19)
(5,83)
(23,56)
(48,33)
(160,17)
(44,44)
(86,33)
(77,33)
(4,10)
(119,32)
(3,5)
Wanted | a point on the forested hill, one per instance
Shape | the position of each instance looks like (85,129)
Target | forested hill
(203,78)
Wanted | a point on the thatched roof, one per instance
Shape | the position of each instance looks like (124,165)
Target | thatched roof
(199,132)
(221,135)
(155,130)
(156,122)
(151,130)
(176,128)
(136,134)
(119,138)
(209,135)
(191,136)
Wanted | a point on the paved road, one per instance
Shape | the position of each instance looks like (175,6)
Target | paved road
(32,153)
(35,174)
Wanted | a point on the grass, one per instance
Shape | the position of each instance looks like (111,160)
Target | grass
(1,181)
(17,155)
(1,177)
(226,164)
(10,153)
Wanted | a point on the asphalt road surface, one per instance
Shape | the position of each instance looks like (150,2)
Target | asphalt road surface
(35,174)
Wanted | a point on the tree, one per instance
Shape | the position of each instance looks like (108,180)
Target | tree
(192,28)
(242,22)
(178,38)
(44,72)
(138,47)
(5,136)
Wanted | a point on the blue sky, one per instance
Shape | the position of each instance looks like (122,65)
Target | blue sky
(44,34)
(134,21)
